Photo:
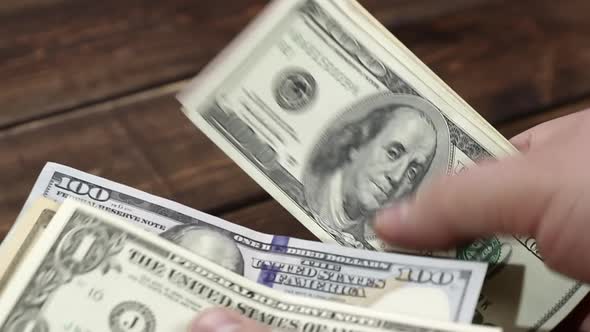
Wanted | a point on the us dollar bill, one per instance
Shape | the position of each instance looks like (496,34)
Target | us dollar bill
(420,286)
(336,120)
(86,257)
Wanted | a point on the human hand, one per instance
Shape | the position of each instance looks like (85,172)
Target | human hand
(225,320)
(543,192)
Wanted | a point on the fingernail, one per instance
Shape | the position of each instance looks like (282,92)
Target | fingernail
(392,216)
(215,321)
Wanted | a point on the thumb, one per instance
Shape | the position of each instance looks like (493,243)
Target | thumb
(506,196)
(225,320)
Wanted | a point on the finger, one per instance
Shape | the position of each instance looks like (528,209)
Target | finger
(224,320)
(540,135)
(496,197)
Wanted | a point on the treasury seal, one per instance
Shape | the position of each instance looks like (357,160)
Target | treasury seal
(490,251)
(294,89)
(131,316)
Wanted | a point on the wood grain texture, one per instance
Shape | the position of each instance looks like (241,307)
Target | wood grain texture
(517,126)
(506,58)
(398,12)
(11,6)
(147,144)
(74,53)
(271,218)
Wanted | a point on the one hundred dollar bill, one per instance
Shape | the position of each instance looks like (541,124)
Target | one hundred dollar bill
(335,119)
(91,271)
(425,287)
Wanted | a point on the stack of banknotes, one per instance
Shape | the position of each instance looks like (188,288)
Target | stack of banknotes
(335,119)
(89,254)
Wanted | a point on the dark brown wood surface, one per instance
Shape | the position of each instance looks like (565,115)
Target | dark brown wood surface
(506,58)
(91,84)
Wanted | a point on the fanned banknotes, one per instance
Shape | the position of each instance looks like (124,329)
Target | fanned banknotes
(336,119)
(114,276)
(420,286)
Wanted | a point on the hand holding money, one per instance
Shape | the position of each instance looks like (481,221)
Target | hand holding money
(541,194)
(489,200)
(434,223)
(336,120)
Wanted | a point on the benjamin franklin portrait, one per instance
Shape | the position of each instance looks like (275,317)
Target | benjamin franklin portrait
(377,153)
(208,243)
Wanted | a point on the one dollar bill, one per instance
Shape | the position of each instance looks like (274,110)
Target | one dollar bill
(111,275)
(336,120)
(420,286)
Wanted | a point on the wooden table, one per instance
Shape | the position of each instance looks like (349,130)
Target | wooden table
(91,84)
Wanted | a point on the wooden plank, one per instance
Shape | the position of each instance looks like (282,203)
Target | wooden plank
(513,128)
(147,144)
(398,12)
(506,58)
(72,53)
(511,57)
(9,6)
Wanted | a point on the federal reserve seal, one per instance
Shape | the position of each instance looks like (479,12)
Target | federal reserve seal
(131,316)
(294,89)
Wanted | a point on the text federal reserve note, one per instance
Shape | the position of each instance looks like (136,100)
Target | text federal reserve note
(335,120)
(91,271)
(420,286)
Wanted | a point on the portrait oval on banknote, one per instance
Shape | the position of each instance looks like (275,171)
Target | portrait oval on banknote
(375,153)
(211,243)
